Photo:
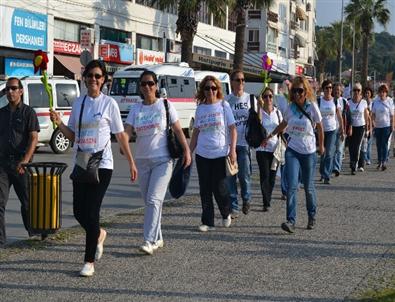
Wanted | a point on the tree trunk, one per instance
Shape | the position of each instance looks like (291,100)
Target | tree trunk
(186,46)
(365,52)
(240,36)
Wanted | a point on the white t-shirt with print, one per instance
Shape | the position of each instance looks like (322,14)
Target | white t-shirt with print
(100,118)
(383,111)
(328,113)
(149,123)
(300,130)
(240,107)
(281,103)
(357,111)
(270,122)
(214,138)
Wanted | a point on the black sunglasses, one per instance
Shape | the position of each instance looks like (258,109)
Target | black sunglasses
(297,90)
(239,80)
(328,87)
(356,90)
(213,88)
(13,88)
(267,96)
(145,83)
(94,75)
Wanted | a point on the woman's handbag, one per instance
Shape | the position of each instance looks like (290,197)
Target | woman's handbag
(231,169)
(86,168)
(174,146)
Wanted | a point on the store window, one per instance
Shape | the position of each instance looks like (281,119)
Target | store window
(66,31)
(202,50)
(220,54)
(115,35)
(150,43)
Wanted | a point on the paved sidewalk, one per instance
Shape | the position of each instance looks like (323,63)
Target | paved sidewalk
(352,247)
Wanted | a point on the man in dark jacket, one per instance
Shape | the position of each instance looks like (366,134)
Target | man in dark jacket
(19,129)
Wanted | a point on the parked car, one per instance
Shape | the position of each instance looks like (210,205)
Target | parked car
(64,92)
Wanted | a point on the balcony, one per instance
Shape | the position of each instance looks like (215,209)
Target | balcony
(271,47)
(294,54)
(294,25)
(253,46)
(254,14)
(272,16)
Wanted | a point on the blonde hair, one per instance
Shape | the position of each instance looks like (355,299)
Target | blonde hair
(200,97)
(306,86)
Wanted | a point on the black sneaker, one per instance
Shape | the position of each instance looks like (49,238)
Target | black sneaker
(311,223)
(265,208)
(337,173)
(353,172)
(327,182)
(246,208)
(288,227)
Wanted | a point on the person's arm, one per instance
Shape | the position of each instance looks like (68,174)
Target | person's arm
(33,139)
(340,120)
(193,142)
(279,129)
(368,122)
(373,118)
(183,141)
(320,131)
(123,141)
(233,140)
(55,117)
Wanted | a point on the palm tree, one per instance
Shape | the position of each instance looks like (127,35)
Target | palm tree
(365,13)
(240,7)
(325,49)
(188,20)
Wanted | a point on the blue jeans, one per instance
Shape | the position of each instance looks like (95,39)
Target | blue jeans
(294,163)
(244,176)
(382,135)
(339,151)
(284,185)
(368,153)
(327,158)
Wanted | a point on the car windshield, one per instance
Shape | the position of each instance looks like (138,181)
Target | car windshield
(125,86)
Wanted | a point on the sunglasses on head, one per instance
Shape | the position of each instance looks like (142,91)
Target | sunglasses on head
(297,90)
(94,75)
(208,88)
(145,83)
(13,88)
(239,80)
(267,96)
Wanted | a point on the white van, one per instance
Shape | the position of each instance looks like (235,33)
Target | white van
(64,90)
(176,82)
(223,77)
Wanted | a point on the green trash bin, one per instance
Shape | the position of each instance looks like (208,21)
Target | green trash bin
(45,196)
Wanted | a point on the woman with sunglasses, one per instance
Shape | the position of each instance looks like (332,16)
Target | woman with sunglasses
(100,117)
(301,118)
(360,122)
(214,138)
(148,121)
(271,117)
(332,123)
(384,123)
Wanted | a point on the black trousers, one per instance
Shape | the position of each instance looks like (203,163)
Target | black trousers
(354,147)
(87,200)
(9,176)
(212,178)
(267,177)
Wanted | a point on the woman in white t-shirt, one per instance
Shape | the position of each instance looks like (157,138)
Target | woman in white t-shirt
(301,118)
(383,123)
(148,121)
(214,138)
(360,122)
(271,117)
(332,122)
(100,117)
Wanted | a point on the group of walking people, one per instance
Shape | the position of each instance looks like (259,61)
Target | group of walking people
(297,127)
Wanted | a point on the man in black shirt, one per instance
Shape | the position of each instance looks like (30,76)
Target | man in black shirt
(19,129)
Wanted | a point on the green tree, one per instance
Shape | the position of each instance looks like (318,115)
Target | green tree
(365,13)
(188,19)
(240,7)
(325,49)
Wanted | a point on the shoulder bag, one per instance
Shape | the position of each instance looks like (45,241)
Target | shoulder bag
(255,133)
(173,144)
(86,168)
(230,169)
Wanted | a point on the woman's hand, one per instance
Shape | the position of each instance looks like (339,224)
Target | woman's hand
(133,172)
(186,159)
(233,156)
(55,117)
(321,150)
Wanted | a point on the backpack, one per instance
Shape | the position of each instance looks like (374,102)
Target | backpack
(255,133)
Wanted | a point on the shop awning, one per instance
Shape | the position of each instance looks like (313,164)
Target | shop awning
(300,41)
(300,13)
(71,63)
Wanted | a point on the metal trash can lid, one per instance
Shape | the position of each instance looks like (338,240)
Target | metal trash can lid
(53,168)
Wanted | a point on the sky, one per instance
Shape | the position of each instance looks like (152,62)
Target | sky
(329,11)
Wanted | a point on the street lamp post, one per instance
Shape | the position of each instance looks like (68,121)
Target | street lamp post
(341,44)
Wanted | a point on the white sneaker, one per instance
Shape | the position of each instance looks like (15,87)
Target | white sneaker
(99,247)
(227,221)
(147,248)
(206,228)
(361,169)
(87,270)
(158,244)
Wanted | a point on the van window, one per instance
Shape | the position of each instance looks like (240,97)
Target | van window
(65,94)
(3,98)
(125,86)
(38,97)
(225,88)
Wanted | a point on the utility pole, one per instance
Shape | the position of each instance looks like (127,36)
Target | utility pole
(341,44)
(353,58)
